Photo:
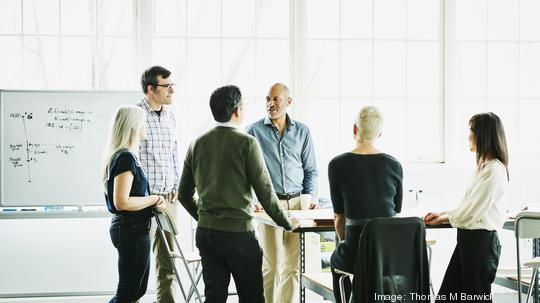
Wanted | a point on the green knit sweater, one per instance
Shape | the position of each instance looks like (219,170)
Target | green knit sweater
(223,165)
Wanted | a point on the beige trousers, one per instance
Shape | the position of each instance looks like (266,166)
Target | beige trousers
(281,259)
(165,288)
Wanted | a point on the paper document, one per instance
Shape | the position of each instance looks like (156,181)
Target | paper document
(312,214)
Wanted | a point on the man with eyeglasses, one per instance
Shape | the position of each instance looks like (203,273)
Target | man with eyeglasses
(159,158)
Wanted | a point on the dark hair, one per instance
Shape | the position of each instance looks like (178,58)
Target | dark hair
(149,76)
(224,101)
(489,138)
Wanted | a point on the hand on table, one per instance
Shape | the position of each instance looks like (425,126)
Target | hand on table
(433,218)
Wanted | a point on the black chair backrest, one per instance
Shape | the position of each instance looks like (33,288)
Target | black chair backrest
(391,262)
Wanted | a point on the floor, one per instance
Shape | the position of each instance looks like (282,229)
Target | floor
(96,299)
(149,298)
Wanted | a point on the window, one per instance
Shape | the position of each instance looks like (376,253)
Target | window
(386,53)
(497,68)
(428,65)
(217,42)
(67,44)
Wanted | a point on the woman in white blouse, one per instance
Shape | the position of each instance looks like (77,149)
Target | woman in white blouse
(475,259)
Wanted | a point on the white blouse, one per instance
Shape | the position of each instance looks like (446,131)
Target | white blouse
(483,206)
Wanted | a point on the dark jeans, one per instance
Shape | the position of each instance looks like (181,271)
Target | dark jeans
(230,253)
(132,240)
(472,267)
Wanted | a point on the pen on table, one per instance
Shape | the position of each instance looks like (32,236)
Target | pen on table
(9,209)
(28,209)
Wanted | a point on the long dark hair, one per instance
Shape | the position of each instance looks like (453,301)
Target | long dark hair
(490,139)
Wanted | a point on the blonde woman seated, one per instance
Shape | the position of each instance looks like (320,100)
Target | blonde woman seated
(126,196)
(364,183)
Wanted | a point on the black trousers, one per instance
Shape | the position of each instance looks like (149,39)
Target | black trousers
(472,267)
(132,240)
(224,254)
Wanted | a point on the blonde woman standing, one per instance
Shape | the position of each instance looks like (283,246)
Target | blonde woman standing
(480,214)
(126,196)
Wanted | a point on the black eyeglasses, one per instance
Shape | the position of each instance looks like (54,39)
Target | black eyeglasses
(167,86)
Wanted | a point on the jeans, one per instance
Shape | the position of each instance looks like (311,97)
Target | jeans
(230,253)
(131,239)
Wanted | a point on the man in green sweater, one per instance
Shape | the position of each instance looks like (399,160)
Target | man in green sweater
(223,165)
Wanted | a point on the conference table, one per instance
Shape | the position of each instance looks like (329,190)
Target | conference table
(321,220)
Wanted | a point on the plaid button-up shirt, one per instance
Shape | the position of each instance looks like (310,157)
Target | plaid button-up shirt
(158,153)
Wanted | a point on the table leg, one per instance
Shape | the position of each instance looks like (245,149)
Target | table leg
(302,266)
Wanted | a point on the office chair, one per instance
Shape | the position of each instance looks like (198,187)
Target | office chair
(390,239)
(344,275)
(527,226)
(430,243)
(391,260)
(165,224)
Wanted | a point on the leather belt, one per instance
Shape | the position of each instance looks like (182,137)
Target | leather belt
(126,218)
(288,196)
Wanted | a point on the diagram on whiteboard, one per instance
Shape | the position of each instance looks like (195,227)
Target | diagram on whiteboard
(52,145)
(33,148)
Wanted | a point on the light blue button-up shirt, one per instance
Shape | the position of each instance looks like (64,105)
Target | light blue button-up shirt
(290,158)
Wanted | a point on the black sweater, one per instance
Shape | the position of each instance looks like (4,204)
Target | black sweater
(363,187)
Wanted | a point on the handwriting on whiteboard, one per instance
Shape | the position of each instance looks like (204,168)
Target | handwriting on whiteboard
(31,150)
(68,119)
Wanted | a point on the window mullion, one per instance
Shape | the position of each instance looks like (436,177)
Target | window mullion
(143,27)
(448,91)
(298,51)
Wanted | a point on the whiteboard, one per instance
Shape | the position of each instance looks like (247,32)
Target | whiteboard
(52,145)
